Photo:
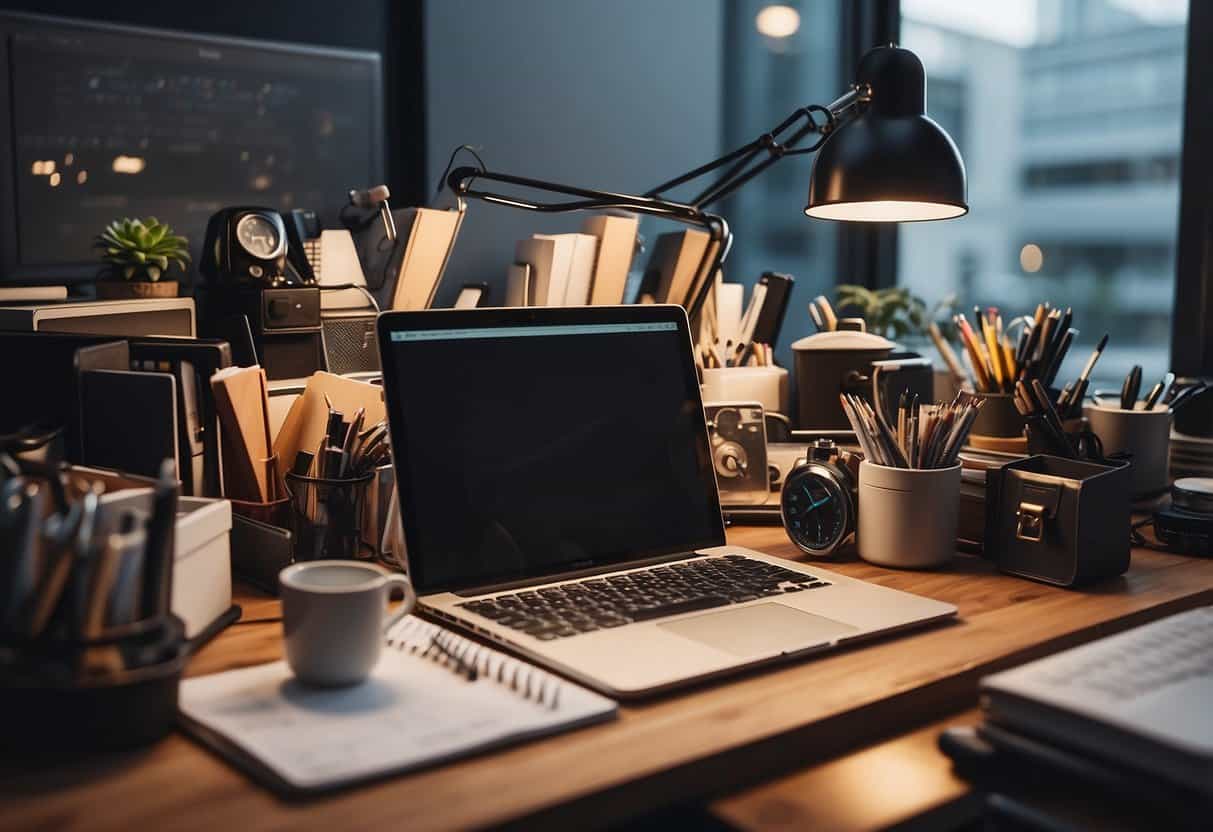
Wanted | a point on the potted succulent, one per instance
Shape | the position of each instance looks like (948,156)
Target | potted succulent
(137,254)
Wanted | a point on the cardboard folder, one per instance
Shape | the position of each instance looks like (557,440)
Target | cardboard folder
(305,423)
(242,404)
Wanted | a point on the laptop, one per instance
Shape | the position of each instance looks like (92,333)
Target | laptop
(558,497)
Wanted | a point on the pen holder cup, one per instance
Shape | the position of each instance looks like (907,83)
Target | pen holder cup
(1058,520)
(327,517)
(908,516)
(46,703)
(275,512)
(998,426)
(766,385)
(1144,436)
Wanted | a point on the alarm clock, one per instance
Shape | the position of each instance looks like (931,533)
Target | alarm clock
(819,500)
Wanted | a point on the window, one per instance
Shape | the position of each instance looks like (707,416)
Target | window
(1069,115)
(776,62)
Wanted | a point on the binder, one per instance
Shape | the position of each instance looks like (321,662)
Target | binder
(428,236)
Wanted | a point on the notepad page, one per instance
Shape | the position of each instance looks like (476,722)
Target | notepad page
(411,712)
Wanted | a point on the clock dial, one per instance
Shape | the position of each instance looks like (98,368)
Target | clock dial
(816,509)
(258,236)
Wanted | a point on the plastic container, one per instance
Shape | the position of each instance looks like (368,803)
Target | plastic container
(202,566)
(766,385)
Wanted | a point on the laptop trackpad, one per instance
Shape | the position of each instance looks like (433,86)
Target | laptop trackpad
(760,630)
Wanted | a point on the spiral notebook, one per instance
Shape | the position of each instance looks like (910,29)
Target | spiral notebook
(434,696)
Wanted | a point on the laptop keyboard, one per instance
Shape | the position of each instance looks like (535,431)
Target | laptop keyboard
(659,592)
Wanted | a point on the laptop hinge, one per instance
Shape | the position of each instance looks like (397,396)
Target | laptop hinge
(578,573)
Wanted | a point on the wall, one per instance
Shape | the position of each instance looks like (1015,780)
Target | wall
(617,95)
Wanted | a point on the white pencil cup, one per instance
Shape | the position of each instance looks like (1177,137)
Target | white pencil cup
(766,385)
(1144,434)
(907,516)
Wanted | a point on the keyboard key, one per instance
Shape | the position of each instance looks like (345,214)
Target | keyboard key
(649,612)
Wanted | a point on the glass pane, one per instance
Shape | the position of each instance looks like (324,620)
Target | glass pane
(1069,116)
(780,58)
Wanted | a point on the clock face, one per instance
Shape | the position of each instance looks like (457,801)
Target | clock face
(258,236)
(816,509)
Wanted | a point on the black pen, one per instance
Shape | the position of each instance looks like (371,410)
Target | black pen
(1159,390)
(1132,386)
(160,540)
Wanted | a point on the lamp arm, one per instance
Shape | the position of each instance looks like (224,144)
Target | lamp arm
(743,158)
(461,179)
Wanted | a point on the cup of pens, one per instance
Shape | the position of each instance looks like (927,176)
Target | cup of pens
(909,481)
(326,516)
(329,488)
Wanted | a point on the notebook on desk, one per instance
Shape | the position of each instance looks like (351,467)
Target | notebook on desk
(418,709)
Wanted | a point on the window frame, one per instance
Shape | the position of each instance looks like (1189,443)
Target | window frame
(867,252)
(1192,315)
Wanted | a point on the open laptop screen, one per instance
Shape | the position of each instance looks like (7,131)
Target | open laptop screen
(534,442)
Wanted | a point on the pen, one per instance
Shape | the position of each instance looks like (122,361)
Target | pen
(1159,390)
(1132,386)
(827,312)
(1079,390)
(818,321)
(351,436)
(1186,395)
(1059,354)
(159,554)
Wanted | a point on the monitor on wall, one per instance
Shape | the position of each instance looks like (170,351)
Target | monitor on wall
(103,121)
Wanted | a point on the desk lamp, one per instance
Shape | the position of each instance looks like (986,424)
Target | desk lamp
(881,159)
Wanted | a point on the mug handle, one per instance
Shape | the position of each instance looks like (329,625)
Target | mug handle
(410,599)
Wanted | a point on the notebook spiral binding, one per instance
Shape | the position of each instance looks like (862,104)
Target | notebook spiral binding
(474,661)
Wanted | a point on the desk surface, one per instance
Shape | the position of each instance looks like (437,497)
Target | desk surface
(696,745)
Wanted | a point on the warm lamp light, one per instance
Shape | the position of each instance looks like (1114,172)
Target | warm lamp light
(891,163)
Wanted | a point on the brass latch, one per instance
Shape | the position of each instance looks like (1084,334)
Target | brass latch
(1030,522)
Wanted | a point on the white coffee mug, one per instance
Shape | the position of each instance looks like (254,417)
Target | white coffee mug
(334,614)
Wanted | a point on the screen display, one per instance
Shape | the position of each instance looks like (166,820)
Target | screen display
(535,447)
(108,125)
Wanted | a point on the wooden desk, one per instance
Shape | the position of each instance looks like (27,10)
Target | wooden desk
(693,746)
(904,782)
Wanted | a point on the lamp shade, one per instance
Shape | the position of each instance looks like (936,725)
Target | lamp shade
(892,163)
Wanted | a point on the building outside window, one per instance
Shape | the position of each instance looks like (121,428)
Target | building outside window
(1069,114)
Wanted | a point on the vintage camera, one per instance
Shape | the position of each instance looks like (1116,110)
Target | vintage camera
(738,437)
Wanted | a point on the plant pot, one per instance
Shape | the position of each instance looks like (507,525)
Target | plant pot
(127,289)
